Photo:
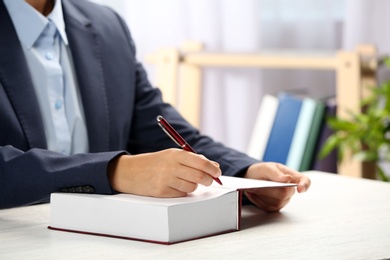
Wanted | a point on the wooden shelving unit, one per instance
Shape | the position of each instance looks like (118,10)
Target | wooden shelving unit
(179,76)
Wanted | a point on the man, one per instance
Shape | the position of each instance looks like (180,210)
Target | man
(78,114)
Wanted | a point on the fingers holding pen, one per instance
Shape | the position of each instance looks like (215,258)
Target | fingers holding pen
(199,166)
(192,169)
(180,141)
(168,173)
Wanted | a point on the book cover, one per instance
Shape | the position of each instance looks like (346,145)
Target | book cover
(309,152)
(329,163)
(301,134)
(263,126)
(207,211)
(282,132)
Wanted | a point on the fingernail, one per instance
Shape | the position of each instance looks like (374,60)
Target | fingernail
(302,188)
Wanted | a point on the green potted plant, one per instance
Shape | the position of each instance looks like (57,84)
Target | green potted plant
(365,134)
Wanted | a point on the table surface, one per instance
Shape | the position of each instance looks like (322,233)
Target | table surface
(338,218)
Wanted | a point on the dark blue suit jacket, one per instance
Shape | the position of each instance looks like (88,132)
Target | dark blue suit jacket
(119,103)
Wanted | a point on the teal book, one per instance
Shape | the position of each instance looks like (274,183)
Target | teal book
(301,134)
(283,128)
(310,150)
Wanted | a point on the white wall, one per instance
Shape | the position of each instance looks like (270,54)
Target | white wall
(253,26)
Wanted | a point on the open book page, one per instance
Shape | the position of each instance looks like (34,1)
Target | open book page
(201,193)
(243,183)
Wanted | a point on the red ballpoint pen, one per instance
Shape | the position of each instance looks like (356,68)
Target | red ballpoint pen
(176,137)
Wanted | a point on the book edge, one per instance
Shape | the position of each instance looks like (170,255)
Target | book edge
(139,239)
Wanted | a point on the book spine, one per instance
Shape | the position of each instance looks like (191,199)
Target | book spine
(301,134)
(263,125)
(283,129)
(329,163)
(309,153)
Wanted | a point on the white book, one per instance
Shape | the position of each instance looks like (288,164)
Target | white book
(263,126)
(207,211)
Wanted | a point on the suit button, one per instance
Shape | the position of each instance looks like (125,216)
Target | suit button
(88,189)
(79,189)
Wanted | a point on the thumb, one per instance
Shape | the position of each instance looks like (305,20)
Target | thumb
(285,178)
(281,175)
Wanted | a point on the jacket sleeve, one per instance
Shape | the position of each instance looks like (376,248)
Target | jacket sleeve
(29,177)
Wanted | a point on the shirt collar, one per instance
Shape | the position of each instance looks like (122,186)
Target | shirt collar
(57,16)
(29,23)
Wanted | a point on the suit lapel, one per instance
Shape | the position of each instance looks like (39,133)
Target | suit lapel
(84,44)
(16,79)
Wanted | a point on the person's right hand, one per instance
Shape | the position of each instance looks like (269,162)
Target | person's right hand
(167,173)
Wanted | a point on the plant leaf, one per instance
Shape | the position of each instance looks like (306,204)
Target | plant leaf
(381,173)
(387,61)
(366,156)
(329,145)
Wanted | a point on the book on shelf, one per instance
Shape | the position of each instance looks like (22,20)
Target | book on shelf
(283,128)
(301,134)
(206,212)
(263,126)
(312,139)
(329,163)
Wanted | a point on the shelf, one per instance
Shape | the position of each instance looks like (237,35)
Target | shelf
(178,67)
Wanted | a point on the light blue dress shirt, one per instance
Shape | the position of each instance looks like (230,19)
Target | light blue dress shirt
(45,46)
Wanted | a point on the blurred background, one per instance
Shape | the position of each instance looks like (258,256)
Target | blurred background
(254,26)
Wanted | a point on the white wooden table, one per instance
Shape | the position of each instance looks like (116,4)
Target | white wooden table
(338,218)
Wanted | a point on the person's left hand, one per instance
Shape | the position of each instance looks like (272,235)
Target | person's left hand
(274,199)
